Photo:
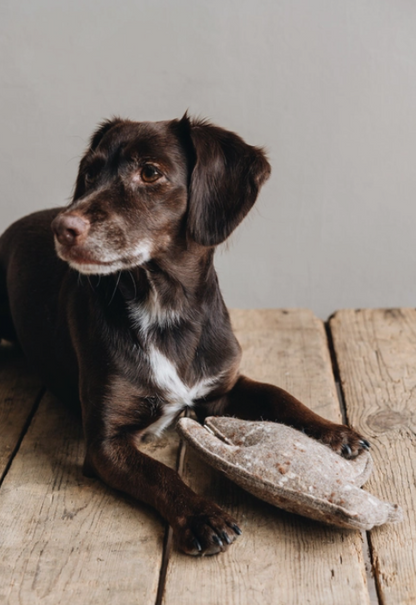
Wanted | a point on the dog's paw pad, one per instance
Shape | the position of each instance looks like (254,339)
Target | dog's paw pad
(206,533)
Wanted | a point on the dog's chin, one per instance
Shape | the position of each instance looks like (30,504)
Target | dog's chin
(86,264)
(101,268)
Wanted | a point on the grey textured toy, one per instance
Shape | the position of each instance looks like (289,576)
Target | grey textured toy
(290,470)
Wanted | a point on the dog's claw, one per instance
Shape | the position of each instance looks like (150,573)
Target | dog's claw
(197,545)
(365,444)
(236,529)
(346,450)
(209,532)
(217,540)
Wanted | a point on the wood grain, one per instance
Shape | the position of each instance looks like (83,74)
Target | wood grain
(68,539)
(19,389)
(280,558)
(376,354)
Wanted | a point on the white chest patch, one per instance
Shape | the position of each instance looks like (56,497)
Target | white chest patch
(164,374)
(178,395)
(166,377)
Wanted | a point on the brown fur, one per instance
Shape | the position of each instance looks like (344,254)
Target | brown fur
(135,275)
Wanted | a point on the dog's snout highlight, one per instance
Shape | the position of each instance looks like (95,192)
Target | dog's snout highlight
(70,228)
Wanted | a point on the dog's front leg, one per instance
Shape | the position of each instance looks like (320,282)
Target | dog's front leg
(200,526)
(253,400)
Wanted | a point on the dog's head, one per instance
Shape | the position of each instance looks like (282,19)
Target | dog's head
(147,189)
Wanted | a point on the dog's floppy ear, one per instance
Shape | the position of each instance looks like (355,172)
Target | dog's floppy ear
(226,177)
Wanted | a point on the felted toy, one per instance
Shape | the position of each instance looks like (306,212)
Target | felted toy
(287,468)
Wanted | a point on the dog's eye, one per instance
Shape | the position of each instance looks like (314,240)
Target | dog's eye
(150,173)
(90,176)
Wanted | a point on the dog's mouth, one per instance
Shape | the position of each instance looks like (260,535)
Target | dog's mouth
(79,255)
(84,261)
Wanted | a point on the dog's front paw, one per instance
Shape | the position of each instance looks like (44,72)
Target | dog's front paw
(207,532)
(343,440)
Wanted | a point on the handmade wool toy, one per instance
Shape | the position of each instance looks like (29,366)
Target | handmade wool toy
(290,470)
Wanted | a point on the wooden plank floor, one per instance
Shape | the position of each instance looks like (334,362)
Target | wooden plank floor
(376,355)
(65,538)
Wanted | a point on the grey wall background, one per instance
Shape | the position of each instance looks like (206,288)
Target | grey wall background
(328,86)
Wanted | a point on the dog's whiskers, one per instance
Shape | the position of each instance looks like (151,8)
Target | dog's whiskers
(134,284)
(115,288)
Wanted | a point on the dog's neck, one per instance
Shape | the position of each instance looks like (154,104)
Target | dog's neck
(172,290)
(174,309)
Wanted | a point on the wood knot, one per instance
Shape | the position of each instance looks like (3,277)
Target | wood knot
(384,421)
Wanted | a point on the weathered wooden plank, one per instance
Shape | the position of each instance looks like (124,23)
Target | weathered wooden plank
(68,539)
(376,354)
(19,389)
(280,558)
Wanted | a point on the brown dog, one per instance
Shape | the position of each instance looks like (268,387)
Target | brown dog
(150,335)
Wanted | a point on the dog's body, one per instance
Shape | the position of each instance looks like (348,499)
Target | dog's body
(129,319)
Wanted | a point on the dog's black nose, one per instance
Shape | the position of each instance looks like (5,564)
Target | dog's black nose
(70,228)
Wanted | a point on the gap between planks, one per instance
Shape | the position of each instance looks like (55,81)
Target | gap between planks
(365,536)
(24,430)
(20,395)
(168,541)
